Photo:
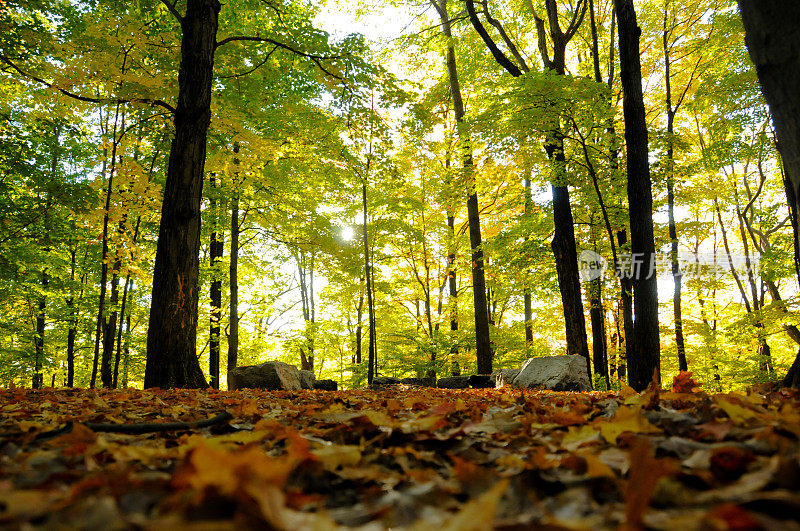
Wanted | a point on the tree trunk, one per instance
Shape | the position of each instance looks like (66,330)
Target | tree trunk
(359,327)
(677,276)
(372,359)
(773,40)
(644,361)
(233,310)
(483,351)
(526,296)
(626,298)
(110,329)
(216,247)
(172,333)
(122,310)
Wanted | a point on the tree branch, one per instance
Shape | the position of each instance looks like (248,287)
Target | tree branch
(499,56)
(173,10)
(87,99)
(317,59)
(506,39)
(139,428)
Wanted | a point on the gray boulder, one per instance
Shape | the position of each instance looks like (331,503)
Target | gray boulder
(557,373)
(272,375)
(380,381)
(481,381)
(453,382)
(326,385)
(421,382)
(307,379)
(503,377)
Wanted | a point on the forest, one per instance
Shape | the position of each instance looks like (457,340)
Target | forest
(187,187)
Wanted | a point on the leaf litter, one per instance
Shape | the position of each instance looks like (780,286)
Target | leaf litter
(400,457)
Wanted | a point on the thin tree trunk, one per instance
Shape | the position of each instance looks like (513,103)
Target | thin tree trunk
(626,298)
(483,351)
(526,295)
(172,333)
(233,310)
(109,330)
(216,248)
(644,362)
(677,276)
(122,310)
(72,320)
(371,350)
(359,327)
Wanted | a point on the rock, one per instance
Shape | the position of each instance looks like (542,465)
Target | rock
(272,375)
(503,377)
(380,381)
(307,379)
(326,385)
(557,373)
(481,381)
(422,382)
(453,382)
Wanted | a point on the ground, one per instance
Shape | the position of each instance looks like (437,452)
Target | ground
(400,457)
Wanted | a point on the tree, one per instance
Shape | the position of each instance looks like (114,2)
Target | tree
(563,243)
(483,351)
(773,39)
(644,360)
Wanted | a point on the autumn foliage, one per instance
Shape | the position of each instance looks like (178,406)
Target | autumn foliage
(401,457)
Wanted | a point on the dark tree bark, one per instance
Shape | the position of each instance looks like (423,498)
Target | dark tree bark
(372,356)
(73,322)
(644,361)
(773,40)
(483,351)
(626,300)
(216,248)
(109,329)
(122,309)
(233,281)
(172,333)
(359,327)
(526,296)
(305,271)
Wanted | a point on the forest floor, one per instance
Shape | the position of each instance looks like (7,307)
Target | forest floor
(400,457)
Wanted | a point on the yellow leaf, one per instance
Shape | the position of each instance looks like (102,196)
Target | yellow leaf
(627,418)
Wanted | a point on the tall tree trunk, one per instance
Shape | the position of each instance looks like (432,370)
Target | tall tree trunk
(122,310)
(372,358)
(101,317)
(109,329)
(233,311)
(483,351)
(626,299)
(172,333)
(305,270)
(773,40)
(216,249)
(677,276)
(526,295)
(126,351)
(359,327)
(72,321)
(39,339)
(644,362)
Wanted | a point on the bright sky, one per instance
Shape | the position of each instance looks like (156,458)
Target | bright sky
(383,24)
